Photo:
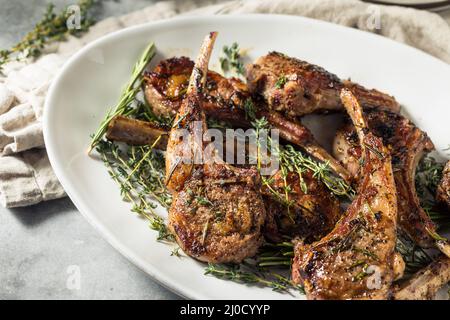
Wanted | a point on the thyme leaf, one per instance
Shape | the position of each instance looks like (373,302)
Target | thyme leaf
(231,59)
(281,82)
(139,184)
(248,275)
(51,28)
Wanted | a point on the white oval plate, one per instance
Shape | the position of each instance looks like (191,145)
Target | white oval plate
(91,81)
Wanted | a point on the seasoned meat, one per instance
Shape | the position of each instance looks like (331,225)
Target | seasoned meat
(443,190)
(309,212)
(217,212)
(137,132)
(425,283)
(313,210)
(398,266)
(218,216)
(295,87)
(356,259)
(407,144)
(226,99)
(165,88)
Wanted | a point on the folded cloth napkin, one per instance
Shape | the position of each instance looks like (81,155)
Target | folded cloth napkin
(26,177)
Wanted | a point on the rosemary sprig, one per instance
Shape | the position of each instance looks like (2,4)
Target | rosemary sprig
(52,27)
(231,59)
(128,95)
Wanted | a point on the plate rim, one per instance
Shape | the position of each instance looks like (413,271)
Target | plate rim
(434,5)
(81,205)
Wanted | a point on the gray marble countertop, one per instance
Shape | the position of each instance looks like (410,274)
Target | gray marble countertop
(42,245)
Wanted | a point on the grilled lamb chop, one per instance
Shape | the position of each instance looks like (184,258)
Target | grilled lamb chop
(217,211)
(425,283)
(407,144)
(356,259)
(295,87)
(443,190)
(226,100)
(312,213)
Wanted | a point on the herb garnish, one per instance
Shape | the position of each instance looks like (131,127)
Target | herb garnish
(175,252)
(428,175)
(138,186)
(246,274)
(231,60)
(427,179)
(52,27)
(292,160)
(281,82)
(415,258)
(250,110)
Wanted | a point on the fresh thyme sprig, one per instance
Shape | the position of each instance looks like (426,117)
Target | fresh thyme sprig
(282,80)
(428,176)
(276,255)
(415,258)
(292,160)
(296,161)
(139,183)
(52,27)
(231,59)
(427,179)
(245,274)
(128,95)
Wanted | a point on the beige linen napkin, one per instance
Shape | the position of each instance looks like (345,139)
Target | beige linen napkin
(25,174)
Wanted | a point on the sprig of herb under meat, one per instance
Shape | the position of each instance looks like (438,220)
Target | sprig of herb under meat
(427,179)
(139,184)
(428,176)
(52,27)
(139,170)
(246,274)
(231,59)
(278,255)
(128,96)
(415,257)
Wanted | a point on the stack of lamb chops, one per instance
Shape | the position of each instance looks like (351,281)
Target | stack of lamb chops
(221,213)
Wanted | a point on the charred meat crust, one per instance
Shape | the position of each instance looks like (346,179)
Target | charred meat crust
(167,84)
(225,99)
(295,87)
(219,218)
(407,144)
(217,212)
(443,190)
(341,265)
